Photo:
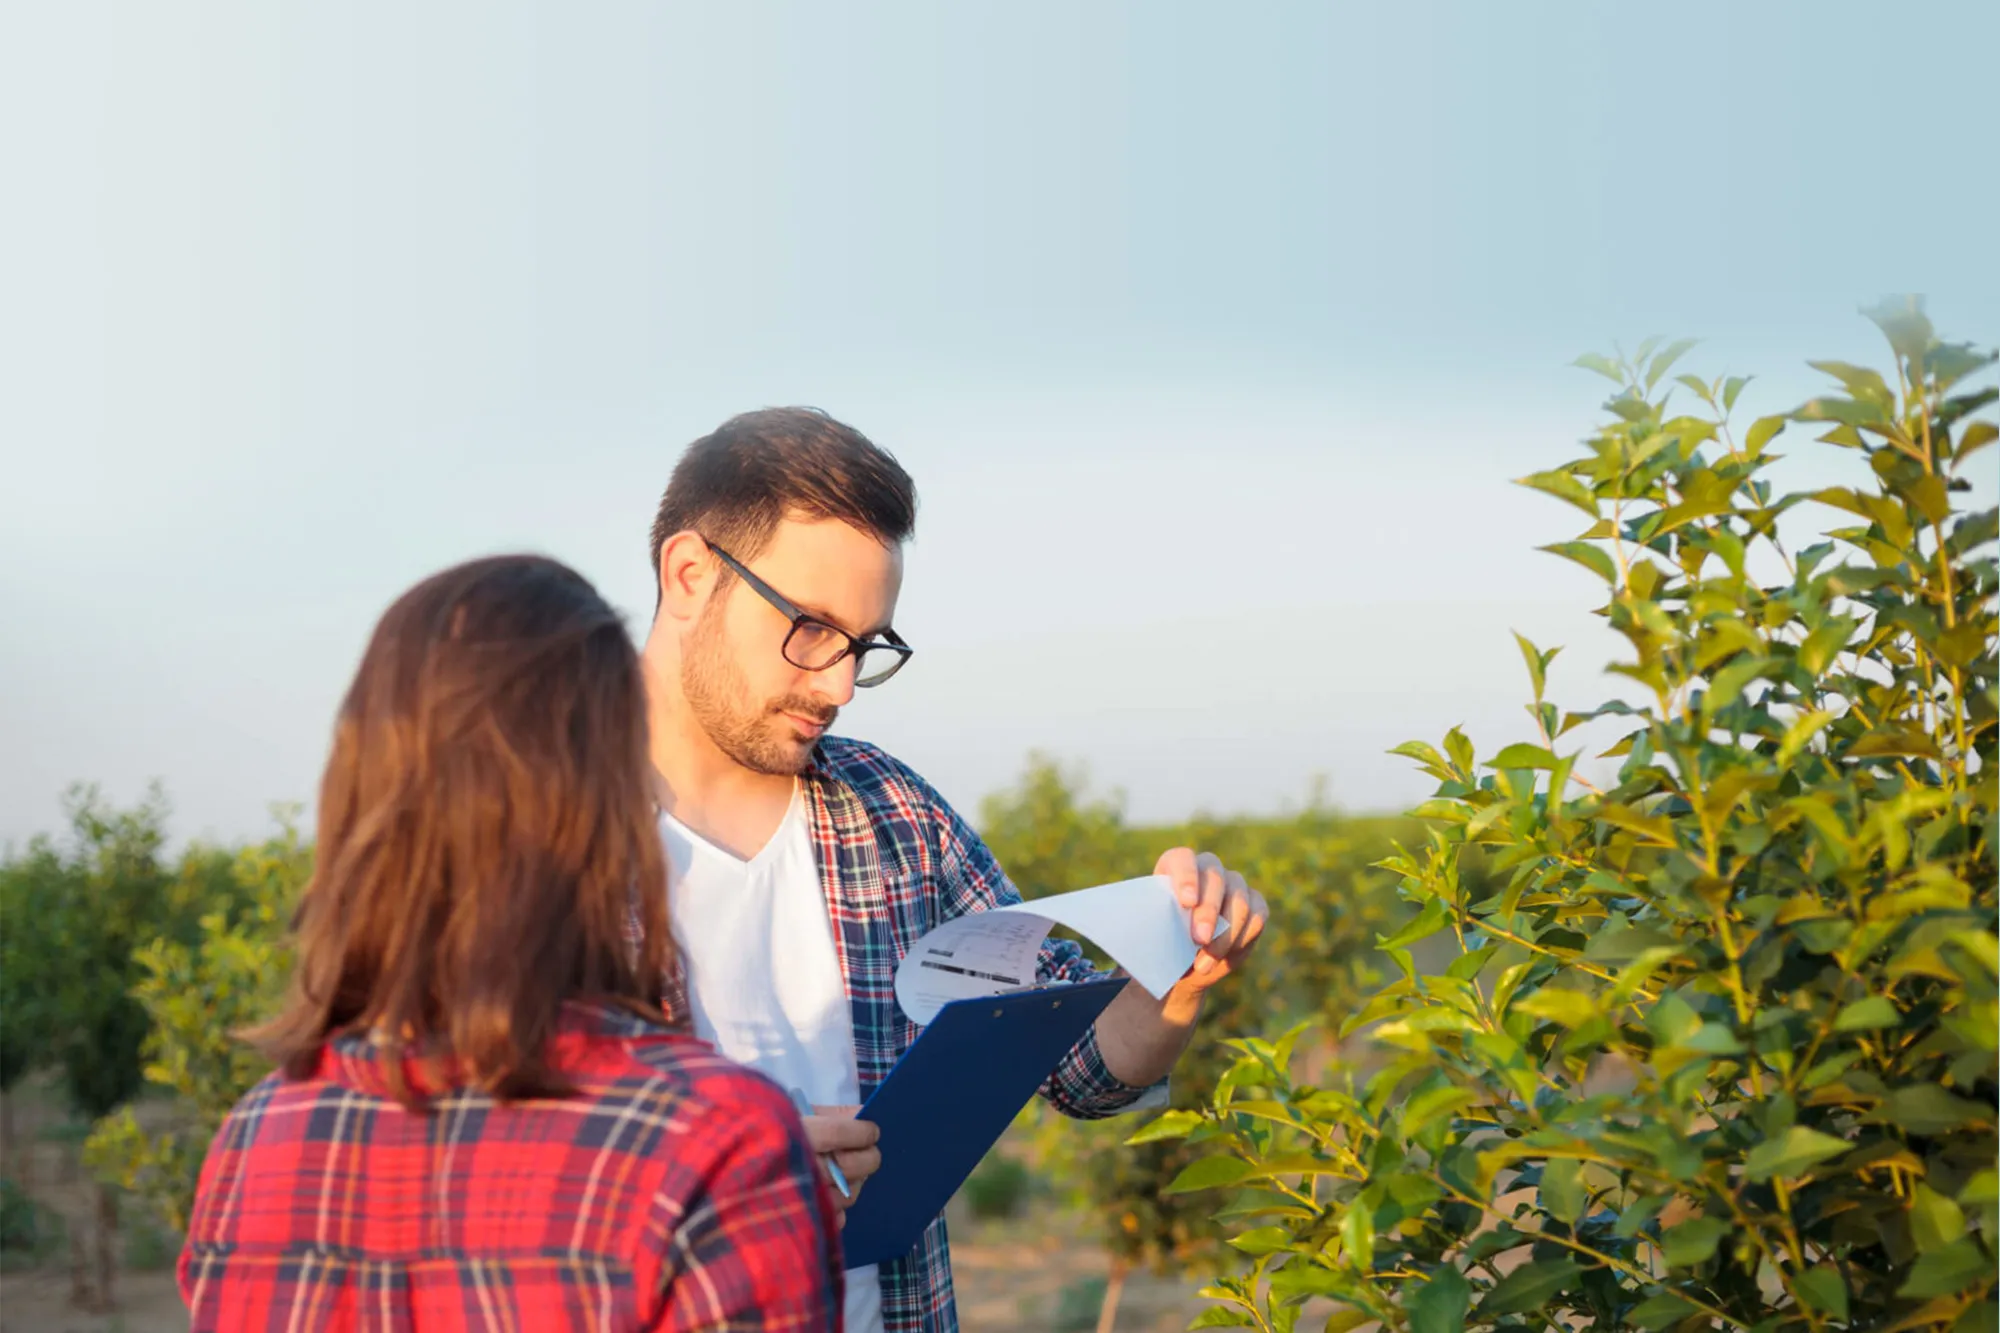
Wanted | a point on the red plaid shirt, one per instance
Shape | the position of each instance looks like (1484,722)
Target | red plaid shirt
(675,1191)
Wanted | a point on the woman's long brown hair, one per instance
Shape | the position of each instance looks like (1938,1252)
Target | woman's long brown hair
(487,836)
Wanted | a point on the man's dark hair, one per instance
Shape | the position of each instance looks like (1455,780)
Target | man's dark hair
(735,485)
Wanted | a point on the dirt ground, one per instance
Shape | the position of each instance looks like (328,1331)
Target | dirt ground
(1032,1272)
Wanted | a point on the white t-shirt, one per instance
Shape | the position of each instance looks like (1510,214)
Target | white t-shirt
(763,980)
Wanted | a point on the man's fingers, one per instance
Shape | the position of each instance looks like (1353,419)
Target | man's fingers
(1257,916)
(1236,911)
(839,1131)
(859,1164)
(1178,865)
(1212,899)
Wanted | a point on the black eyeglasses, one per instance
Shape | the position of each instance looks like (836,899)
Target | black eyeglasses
(814,645)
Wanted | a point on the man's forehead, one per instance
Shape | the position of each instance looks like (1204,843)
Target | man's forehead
(831,548)
(836,571)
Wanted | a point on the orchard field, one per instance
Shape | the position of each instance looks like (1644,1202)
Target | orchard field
(1711,1046)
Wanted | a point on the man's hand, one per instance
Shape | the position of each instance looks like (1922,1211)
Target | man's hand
(1216,894)
(1142,1036)
(834,1132)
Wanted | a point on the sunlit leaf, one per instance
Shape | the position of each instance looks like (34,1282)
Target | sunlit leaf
(1211,1173)
(1170,1125)
(1935,1221)
(1867,1015)
(1792,1153)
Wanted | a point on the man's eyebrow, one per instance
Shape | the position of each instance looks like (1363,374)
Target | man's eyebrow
(821,613)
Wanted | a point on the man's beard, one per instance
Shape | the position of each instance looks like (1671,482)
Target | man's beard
(755,737)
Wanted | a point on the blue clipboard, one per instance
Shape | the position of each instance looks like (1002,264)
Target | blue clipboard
(951,1097)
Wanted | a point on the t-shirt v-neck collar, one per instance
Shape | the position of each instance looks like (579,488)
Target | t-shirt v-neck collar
(770,849)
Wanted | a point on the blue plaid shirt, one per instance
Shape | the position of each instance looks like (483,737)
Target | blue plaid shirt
(894,861)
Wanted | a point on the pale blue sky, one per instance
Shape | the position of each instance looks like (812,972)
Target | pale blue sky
(1211,334)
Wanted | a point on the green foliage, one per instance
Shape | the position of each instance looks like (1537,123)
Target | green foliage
(196,997)
(1327,906)
(98,899)
(30,892)
(27,1230)
(1077,1305)
(1716,1046)
(998,1186)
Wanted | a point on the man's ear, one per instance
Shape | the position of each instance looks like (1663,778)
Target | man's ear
(687,575)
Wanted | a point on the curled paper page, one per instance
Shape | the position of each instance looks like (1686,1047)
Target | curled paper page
(1139,922)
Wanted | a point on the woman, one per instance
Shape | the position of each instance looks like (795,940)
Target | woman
(479,1118)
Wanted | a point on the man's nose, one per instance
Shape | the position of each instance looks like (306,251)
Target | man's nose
(835,685)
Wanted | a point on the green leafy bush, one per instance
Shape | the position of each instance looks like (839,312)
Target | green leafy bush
(196,997)
(1328,906)
(998,1186)
(27,1230)
(1714,1047)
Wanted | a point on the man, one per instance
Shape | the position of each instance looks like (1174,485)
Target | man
(805,865)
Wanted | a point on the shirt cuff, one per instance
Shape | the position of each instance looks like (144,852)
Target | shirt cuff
(1083,1086)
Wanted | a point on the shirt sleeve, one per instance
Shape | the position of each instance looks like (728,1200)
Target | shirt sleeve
(972,881)
(751,1246)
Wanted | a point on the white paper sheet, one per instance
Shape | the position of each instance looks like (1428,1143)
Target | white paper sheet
(1139,922)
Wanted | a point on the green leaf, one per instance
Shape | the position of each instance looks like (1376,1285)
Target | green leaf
(1593,558)
(1570,1008)
(1665,360)
(1935,1221)
(1693,1241)
(1171,1125)
(1728,684)
(1823,644)
(1564,487)
(1662,1310)
(1694,385)
(1357,1234)
(1860,381)
(1426,755)
(1427,923)
(1979,1317)
(1460,749)
(1341,1321)
(1927,1109)
(1432,1105)
(1761,433)
(1537,661)
(1211,1173)
(1731,388)
(1563,1194)
(1792,1153)
(1440,1304)
(1469,965)
(1529,1286)
(1522,755)
(1877,1011)
(1956,1268)
(1904,324)
(1976,436)
(1221,1316)
(1263,1240)
(1800,733)
(1602,364)
(1825,1290)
